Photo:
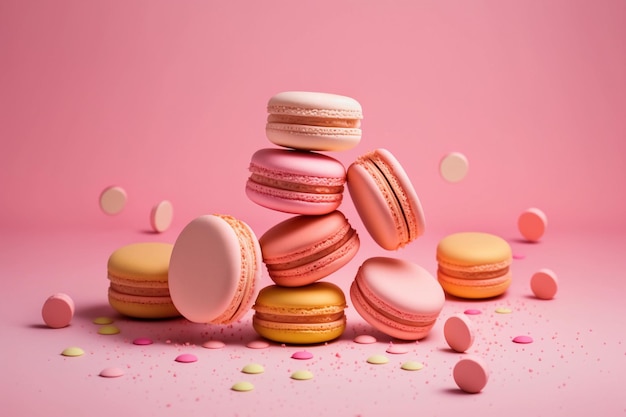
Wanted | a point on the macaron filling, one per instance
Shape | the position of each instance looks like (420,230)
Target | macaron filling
(275,120)
(293,182)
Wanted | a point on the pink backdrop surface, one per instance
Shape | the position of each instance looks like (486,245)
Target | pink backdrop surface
(167,100)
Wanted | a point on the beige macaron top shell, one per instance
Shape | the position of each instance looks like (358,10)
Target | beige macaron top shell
(473,248)
(305,103)
(148,261)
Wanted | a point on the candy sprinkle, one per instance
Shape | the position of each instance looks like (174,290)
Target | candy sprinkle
(242,386)
(378,359)
(472,311)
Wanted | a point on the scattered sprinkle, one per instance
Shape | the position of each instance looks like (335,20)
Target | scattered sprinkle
(378,359)
(503,310)
(472,312)
(213,344)
(111,373)
(186,358)
(102,320)
(302,375)
(518,256)
(73,351)
(141,341)
(258,344)
(242,386)
(364,339)
(523,339)
(302,355)
(412,366)
(253,368)
(108,330)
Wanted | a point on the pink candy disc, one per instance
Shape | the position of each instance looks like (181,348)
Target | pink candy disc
(142,341)
(186,358)
(213,344)
(258,344)
(459,333)
(302,355)
(544,284)
(58,311)
(532,224)
(523,339)
(471,374)
(365,339)
(111,373)
(472,311)
(113,200)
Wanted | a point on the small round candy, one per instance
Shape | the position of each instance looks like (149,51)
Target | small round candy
(253,368)
(459,333)
(302,375)
(453,167)
(532,224)
(523,339)
(471,374)
(111,372)
(364,339)
(113,200)
(58,311)
(186,358)
(213,344)
(161,216)
(302,355)
(242,386)
(412,366)
(73,351)
(544,284)
(378,359)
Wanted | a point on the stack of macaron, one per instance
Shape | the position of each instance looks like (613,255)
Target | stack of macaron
(298,179)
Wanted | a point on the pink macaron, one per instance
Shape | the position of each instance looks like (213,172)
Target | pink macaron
(296,182)
(385,199)
(314,121)
(214,269)
(397,297)
(304,249)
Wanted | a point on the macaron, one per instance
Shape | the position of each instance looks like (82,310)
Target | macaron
(214,269)
(474,265)
(385,199)
(304,249)
(301,315)
(138,275)
(397,297)
(295,181)
(314,121)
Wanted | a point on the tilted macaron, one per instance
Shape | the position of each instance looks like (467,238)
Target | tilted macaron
(304,249)
(474,265)
(301,315)
(214,269)
(314,121)
(295,181)
(385,199)
(139,280)
(397,297)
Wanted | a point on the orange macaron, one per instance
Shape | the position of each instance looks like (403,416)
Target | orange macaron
(474,265)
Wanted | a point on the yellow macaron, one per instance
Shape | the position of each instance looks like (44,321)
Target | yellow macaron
(301,315)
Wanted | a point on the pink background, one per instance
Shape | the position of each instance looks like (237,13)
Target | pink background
(167,100)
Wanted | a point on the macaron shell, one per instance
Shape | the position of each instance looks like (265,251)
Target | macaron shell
(475,288)
(308,103)
(212,277)
(142,307)
(298,166)
(474,249)
(312,138)
(147,261)
(299,333)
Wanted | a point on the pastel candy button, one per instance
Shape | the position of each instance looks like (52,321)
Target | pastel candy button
(242,386)
(102,320)
(364,339)
(142,341)
(108,330)
(213,344)
(459,333)
(453,167)
(302,375)
(302,355)
(532,224)
(544,284)
(412,366)
(258,344)
(73,351)
(111,372)
(58,311)
(186,358)
(253,368)
(378,359)
(396,349)
(523,339)
(113,200)
(471,374)
(161,216)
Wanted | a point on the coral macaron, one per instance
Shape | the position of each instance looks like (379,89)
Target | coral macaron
(314,121)
(139,280)
(385,199)
(301,315)
(296,182)
(304,249)
(214,269)
(397,297)
(474,265)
